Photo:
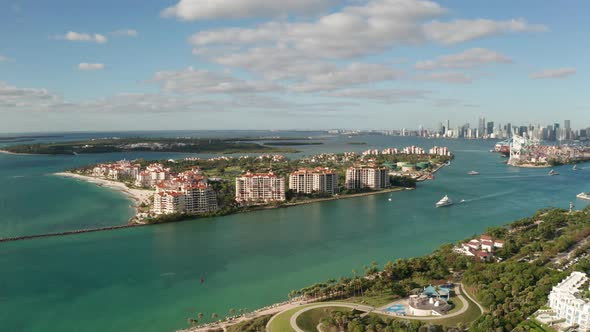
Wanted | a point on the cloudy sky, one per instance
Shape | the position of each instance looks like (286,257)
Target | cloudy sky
(68,65)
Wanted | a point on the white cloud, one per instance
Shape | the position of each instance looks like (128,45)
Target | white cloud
(553,73)
(454,77)
(125,33)
(470,58)
(351,75)
(90,66)
(459,31)
(14,98)
(191,81)
(193,10)
(389,96)
(5,58)
(83,37)
(359,30)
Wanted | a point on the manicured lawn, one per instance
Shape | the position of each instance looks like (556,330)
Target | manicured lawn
(534,325)
(458,304)
(309,320)
(255,325)
(467,317)
(282,322)
(374,301)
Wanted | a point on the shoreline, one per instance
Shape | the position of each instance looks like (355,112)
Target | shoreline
(138,196)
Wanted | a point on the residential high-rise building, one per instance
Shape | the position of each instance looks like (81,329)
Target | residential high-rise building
(566,302)
(316,180)
(260,188)
(481,128)
(567,135)
(363,177)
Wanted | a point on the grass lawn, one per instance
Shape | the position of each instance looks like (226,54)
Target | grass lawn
(282,321)
(534,325)
(309,320)
(256,325)
(467,317)
(458,304)
(374,300)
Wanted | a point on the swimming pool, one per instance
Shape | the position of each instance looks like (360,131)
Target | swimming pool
(398,309)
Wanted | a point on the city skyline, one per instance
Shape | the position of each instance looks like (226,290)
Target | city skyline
(237,64)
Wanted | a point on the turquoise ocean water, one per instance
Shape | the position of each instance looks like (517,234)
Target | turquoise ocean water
(148,279)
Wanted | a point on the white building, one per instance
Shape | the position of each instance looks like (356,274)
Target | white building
(371,152)
(152,175)
(167,202)
(566,301)
(367,177)
(318,180)
(440,150)
(260,188)
(390,151)
(186,193)
(413,150)
(116,171)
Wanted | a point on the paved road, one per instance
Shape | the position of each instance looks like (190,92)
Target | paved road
(293,320)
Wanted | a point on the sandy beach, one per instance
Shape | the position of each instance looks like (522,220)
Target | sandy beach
(139,196)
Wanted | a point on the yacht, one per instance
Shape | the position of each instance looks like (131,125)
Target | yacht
(473,173)
(445,201)
(553,172)
(583,196)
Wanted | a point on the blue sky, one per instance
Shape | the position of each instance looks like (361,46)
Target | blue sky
(311,64)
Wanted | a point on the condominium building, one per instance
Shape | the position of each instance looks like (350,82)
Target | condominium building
(117,170)
(153,174)
(440,151)
(390,151)
(413,150)
(167,202)
(260,188)
(567,302)
(367,177)
(316,180)
(188,192)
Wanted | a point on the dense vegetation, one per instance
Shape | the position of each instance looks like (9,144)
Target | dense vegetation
(187,145)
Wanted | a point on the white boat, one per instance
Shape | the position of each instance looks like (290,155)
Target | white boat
(583,196)
(553,172)
(473,173)
(389,199)
(575,168)
(445,201)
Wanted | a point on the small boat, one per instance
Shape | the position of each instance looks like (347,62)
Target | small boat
(553,172)
(575,168)
(445,201)
(389,199)
(473,173)
(462,201)
(584,196)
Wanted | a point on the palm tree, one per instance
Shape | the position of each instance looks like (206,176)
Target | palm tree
(200,316)
(232,311)
(214,316)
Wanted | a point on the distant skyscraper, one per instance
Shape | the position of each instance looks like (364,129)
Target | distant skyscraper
(490,126)
(482,126)
(567,130)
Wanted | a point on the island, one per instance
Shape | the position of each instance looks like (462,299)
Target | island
(179,144)
(172,190)
(524,152)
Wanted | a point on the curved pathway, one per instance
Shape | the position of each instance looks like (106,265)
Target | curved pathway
(293,320)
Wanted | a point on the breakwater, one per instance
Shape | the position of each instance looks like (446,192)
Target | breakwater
(65,233)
